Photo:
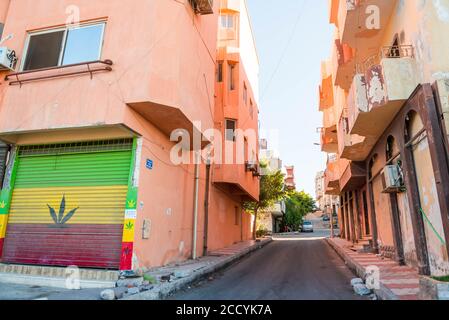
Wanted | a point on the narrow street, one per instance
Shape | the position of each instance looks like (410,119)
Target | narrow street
(292,267)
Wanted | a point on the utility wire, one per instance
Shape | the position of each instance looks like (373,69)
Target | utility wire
(282,57)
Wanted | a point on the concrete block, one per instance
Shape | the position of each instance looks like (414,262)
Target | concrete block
(108,295)
(130,282)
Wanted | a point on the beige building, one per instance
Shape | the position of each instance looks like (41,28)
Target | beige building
(326,203)
(384,95)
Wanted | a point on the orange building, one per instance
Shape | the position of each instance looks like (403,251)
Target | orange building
(101,101)
(383,95)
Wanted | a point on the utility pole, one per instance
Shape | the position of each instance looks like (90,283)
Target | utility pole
(332,218)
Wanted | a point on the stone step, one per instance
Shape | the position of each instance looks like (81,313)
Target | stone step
(57,276)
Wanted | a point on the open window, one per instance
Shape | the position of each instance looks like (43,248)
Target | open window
(231,126)
(65,46)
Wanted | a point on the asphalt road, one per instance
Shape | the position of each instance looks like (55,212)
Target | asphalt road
(292,267)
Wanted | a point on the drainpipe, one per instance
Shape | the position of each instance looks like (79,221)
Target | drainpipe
(195,204)
(206,209)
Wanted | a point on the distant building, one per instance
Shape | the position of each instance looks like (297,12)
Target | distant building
(290,178)
(271,220)
(325,202)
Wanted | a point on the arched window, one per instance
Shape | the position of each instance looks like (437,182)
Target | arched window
(391,149)
(413,126)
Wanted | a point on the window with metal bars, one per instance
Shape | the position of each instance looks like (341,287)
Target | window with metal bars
(77,147)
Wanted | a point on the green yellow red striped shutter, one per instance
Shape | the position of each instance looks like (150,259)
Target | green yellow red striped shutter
(68,207)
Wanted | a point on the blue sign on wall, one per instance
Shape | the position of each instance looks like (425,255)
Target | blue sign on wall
(149,164)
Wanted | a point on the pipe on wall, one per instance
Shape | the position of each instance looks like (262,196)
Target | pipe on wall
(195,205)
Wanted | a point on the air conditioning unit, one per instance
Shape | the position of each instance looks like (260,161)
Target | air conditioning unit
(8,59)
(203,6)
(252,167)
(391,179)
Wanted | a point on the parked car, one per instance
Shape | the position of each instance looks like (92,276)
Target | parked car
(326,218)
(307,226)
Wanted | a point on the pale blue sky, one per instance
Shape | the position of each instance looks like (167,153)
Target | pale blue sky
(290,104)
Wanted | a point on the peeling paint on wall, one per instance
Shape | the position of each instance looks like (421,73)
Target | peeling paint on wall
(376,87)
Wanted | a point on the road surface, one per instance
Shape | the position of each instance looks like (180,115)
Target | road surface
(292,267)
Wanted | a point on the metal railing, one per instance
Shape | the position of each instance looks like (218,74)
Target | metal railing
(388,52)
(16,78)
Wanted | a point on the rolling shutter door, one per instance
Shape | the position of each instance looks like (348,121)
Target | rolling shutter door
(68,207)
(3,157)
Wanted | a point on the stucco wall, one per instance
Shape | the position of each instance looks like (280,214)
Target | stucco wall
(171,48)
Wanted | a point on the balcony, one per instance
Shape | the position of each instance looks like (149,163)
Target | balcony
(356,22)
(353,176)
(278,210)
(332,176)
(383,84)
(326,90)
(350,146)
(343,64)
(329,137)
(236,181)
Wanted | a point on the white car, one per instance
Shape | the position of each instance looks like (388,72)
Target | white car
(307,226)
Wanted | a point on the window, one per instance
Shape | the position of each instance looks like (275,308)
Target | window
(2,26)
(251,109)
(227,21)
(63,46)
(220,72)
(231,76)
(245,94)
(231,126)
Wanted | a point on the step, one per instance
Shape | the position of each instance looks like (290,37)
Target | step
(56,277)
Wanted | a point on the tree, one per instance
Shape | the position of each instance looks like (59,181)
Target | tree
(271,191)
(298,205)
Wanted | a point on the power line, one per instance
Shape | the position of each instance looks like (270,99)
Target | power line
(282,57)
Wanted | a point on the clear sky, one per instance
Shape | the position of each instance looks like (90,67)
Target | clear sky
(289,99)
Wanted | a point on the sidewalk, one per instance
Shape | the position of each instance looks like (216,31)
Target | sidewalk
(182,275)
(396,282)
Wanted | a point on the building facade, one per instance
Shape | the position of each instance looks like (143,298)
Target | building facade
(384,97)
(271,220)
(106,118)
(290,182)
(326,203)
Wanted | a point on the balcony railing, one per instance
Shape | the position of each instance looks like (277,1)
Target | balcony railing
(90,67)
(378,91)
(388,52)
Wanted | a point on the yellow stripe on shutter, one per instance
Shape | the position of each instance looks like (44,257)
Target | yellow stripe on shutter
(96,205)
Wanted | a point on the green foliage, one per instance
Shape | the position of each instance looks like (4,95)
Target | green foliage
(298,205)
(262,233)
(150,279)
(442,279)
(271,191)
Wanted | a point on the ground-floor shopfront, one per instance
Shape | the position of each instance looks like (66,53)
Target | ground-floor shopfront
(116,204)
(409,223)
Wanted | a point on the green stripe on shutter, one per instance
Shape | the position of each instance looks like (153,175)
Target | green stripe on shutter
(85,169)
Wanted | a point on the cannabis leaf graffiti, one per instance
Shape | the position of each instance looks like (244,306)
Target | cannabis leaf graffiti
(129,226)
(60,218)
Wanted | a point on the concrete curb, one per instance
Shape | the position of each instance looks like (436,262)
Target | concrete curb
(162,291)
(383,293)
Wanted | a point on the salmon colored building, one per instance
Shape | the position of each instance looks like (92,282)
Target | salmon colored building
(384,100)
(97,100)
